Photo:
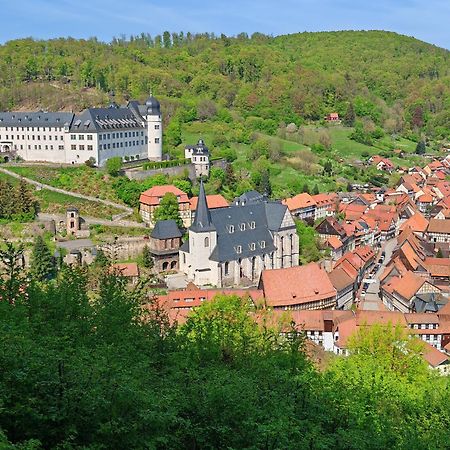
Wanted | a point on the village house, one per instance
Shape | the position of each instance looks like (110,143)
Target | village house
(326,205)
(231,246)
(345,287)
(302,206)
(179,303)
(151,198)
(381,163)
(334,244)
(164,245)
(199,155)
(333,117)
(399,293)
(297,288)
(439,231)
(360,259)
(330,227)
(436,360)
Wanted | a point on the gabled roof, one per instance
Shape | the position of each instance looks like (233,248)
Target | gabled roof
(334,242)
(439,226)
(300,201)
(433,356)
(416,222)
(296,285)
(406,286)
(340,279)
(36,119)
(154,195)
(214,201)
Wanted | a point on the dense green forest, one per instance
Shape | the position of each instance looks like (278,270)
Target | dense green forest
(398,82)
(82,366)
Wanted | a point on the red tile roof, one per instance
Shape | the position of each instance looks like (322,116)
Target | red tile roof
(416,222)
(439,226)
(296,285)
(303,200)
(213,201)
(433,356)
(154,195)
(334,242)
(406,286)
(126,269)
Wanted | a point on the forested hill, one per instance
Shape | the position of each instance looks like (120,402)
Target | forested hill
(291,78)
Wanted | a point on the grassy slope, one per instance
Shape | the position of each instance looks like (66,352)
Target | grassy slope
(56,203)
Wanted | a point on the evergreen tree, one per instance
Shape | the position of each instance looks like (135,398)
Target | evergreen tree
(305,188)
(167,42)
(230,178)
(168,209)
(421,148)
(349,118)
(42,262)
(147,260)
(266,185)
(315,190)
(25,203)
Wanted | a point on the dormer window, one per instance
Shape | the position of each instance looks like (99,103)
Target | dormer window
(242,226)
(231,229)
(252,225)
(238,249)
(262,244)
(252,246)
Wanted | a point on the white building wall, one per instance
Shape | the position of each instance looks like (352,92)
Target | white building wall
(154,134)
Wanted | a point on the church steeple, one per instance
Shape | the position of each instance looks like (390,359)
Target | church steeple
(202,221)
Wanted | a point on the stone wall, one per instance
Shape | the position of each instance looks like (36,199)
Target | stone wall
(126,248)
(139,174)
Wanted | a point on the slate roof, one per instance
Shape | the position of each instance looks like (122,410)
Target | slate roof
(89,120)
(249,197)
(165,229)
(35,119)
(98,119)
(243,226)
(199,149)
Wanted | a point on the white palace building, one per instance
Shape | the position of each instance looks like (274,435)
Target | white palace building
(132,132)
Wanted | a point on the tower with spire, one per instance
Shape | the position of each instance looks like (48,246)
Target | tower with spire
(202,242)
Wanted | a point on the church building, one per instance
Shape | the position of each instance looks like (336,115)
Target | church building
(231,246)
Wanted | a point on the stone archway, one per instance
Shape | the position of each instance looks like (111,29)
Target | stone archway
(173,265)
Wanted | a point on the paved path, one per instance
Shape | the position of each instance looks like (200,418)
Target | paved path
(371,301)
(127,209)
(117,222)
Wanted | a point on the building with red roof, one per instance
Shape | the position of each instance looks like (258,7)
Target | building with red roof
(150,199)
(297,288)
(302,206)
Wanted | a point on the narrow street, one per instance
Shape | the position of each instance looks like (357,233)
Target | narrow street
(371,301)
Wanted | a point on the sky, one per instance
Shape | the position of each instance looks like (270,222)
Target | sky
(427,20)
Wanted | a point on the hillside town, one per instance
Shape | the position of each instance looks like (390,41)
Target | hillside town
(387,258)
(384,252)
